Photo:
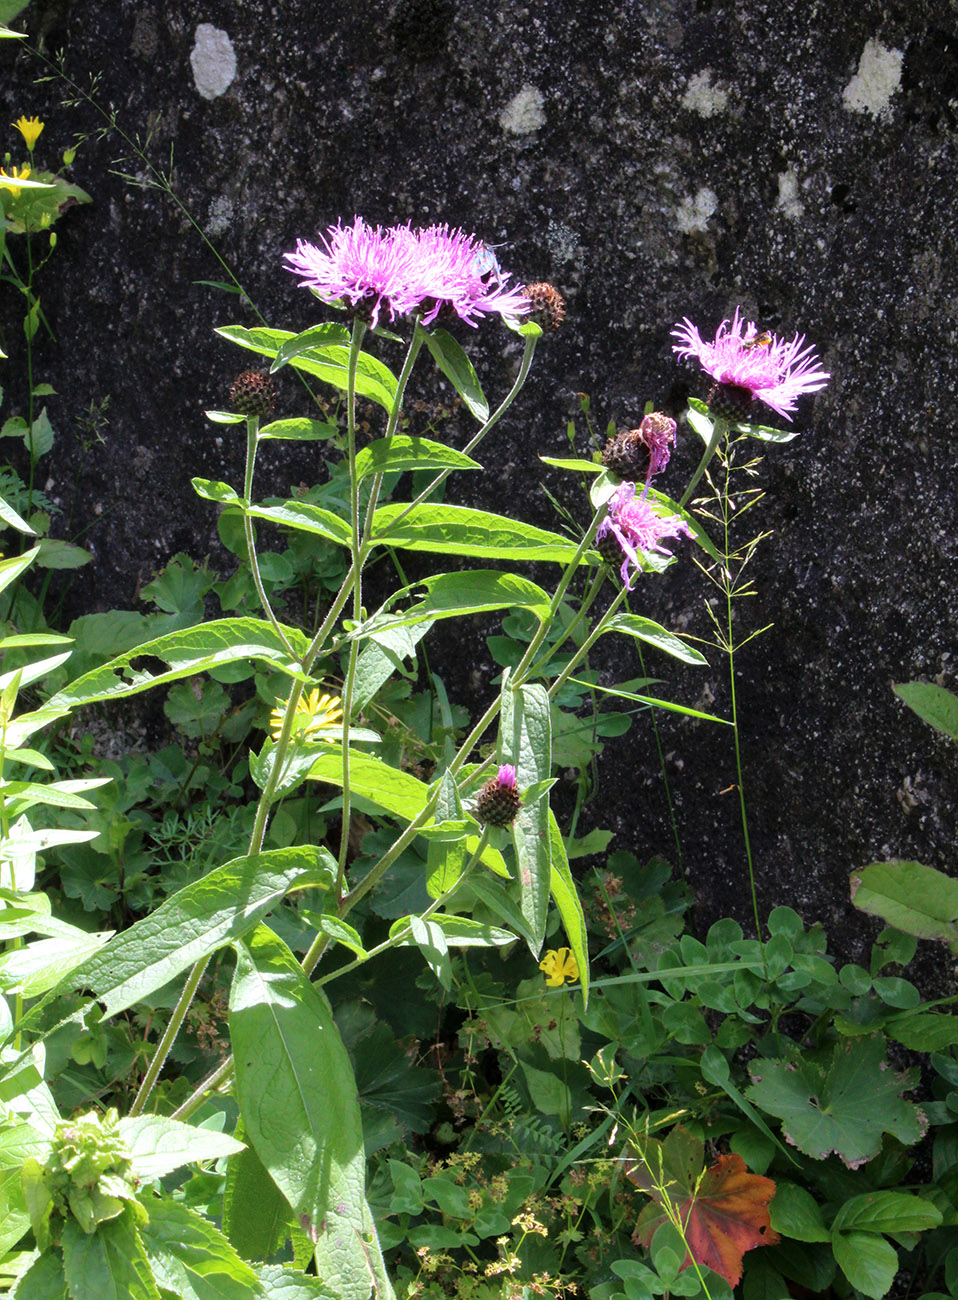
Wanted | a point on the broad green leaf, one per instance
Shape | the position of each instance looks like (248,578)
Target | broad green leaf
(10,570)
(290,1284)
(494,893)
(12,520)
(459,530)
(457,368)
(212,489)
(297,1096)
(452,595)
(919,900)
(458,932)
(328,362)
(870,1263)
(20,795)
(45,1278)
(41,965)
(383,657)
(55,553)
(643,629)
(890,1212)
(401,454)
(715,1070)
(927,1031)
(199,919)
(195,650)
(765,434)
(158,1145)
(193,1259)
(566,898)
(256,1215)
(109,1264)
(317,336)
(301,430)
(842,1101)
(933,704)
(304,518)
(795,1213)
(526,741)
(394,791)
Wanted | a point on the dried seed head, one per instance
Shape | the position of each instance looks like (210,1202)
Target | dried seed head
(548,306)
(253,393)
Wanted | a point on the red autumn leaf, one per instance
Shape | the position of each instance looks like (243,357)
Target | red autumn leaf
(724,1218)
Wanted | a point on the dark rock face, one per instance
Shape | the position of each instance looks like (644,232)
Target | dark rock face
(655,160)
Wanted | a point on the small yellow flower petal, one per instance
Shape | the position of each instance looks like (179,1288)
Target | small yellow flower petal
(29,128)
(313,713)
(16,175)
(558,966)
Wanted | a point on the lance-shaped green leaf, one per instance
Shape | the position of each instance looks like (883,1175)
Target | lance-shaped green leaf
(45,1278)
(651,700)
(644,629)
(11,569)
(457,931)
(317,336)
(195,650)
(109,1264)
(304,518)
(192,1259)
(301,430)
(457,368)
(914,898)
(383,657)
(933,704)
(401,454)
(158,1145)
(452,595)
(329,362)
(459,530)
(580,466)
(393,791)
(300,1109)
(197,920)
(566,898)
(526,742)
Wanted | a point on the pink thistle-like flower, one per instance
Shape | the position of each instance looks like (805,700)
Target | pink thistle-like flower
(498,802)
(757,363)
(634,526)
(361,264)
(507,775)
(455,270)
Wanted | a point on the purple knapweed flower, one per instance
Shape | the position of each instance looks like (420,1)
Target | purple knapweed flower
(361,264)
(632,527)
(498,802)
(454,270)
(756,363)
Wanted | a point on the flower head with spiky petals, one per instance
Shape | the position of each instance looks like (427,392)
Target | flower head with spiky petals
(636,528)
(29,128)
(364,265)
(454,271)
(758,363)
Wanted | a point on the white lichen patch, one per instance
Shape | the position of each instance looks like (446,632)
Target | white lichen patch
(877,79)
(693,214)
(524,113)
(220,215)
(213,61)
(703,97)
(788,200)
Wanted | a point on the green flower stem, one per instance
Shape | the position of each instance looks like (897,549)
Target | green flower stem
(589,642)
(412,352)
(166,1042)
(523,671)
(719,430)
(212,1083)
(355,345)
(406,932)
(252,443)
(494,419)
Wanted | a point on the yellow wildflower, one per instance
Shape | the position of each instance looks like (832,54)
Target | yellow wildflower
(314,712)
(29,128)
(7,177)
(559,965)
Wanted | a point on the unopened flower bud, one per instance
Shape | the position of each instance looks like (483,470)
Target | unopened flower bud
(253,393)
(548,306)
(498,801)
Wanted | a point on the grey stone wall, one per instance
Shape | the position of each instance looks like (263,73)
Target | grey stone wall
(654,160)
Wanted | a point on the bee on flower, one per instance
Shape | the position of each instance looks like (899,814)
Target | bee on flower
(559,965)
(316,716)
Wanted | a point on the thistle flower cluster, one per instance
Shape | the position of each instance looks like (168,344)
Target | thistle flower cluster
(402,269)
(747,363)
(632,528)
